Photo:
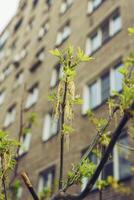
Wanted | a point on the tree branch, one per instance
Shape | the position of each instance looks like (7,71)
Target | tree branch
(29,185)
(90,148)
(62,137)
(104,159)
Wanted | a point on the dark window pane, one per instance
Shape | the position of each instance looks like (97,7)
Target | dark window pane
(124,163)
(105,87)
(105,32)
(108,170)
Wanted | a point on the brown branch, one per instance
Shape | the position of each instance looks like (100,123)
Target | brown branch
(29,185)
(91,182)
(89,150)
(104,159)
(62,137)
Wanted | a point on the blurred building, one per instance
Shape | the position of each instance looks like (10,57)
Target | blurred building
(28,74)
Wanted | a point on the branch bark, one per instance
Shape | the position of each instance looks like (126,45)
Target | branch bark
(62,137)
(29,185)
(91,182)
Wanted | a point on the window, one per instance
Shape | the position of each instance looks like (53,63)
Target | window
(2,97)
(3,39)
(105,87)
(105,31)
(40,55)
(123,165)
(17,26)
(32,96)
(19,78)
(116,78)
(56,75)
(46,179)
(19,193)
(94,95)
(102,88)
(35,2)
(94,42)
(7,71)
(14,44)
(119,165)
(65,5)
(108,169)
(115,23)
(35,66)
(63,34)
(19,57)
(50,128)
(25,143)
(91,96)
(10,116)
(93,4)
(43,30)
(108,28)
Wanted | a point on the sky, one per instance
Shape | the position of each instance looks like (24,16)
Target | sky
(7,11)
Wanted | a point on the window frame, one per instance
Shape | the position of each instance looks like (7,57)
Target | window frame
(10,116)
(48,125)
(42,176)
(31,100)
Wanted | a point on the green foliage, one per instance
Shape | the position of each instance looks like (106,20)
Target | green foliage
(101,184)
(105,139)
(32,118)
(69,60)
(87,168)
(15,188)
(45,193)
(131,30)
(67,129)
(7,156)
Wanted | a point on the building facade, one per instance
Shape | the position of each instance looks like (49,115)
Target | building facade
(29,73)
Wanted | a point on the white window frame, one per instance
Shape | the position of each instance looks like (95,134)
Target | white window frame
(25,143)
(66,32)
(112,23)
(63,34)
(86,96)
(99,37)
(10,117)
(112,78)
(59,38)
(54,78)
(32,97)
(50,127)
(91,6)
(98,82)
(43,30)
(7,71)
(19,192)
(42,184)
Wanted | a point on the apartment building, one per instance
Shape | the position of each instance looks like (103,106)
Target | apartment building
(29,73)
